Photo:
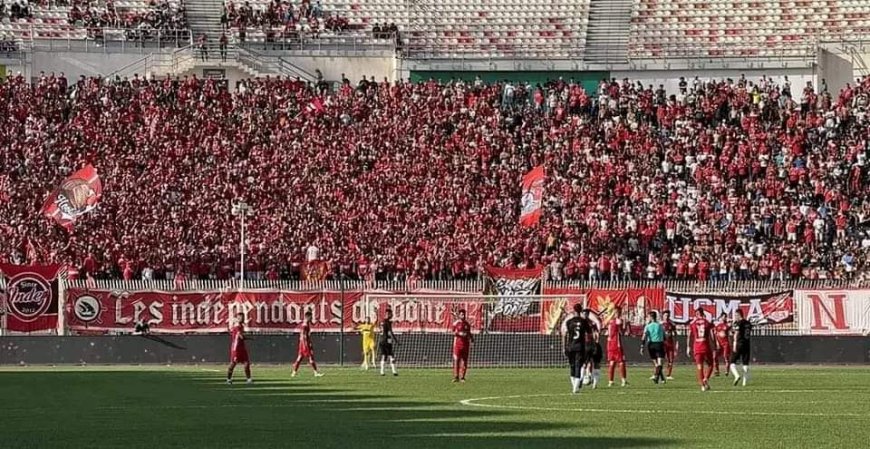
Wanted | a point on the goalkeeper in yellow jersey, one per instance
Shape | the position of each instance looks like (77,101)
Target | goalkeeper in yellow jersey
(367,331)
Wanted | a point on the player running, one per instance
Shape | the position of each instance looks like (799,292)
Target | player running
(388,339)
(723,342)
(699,341)
(616,328)
(238,351)
(577,331)
(654,339)
(462,340)
(306,349)
(672,346)
(367,331)
(742,332)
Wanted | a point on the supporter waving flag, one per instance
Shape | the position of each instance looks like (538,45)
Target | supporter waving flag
(76,196)
(533,194)
(315,106)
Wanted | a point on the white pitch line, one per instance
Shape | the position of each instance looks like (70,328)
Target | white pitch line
(476,403)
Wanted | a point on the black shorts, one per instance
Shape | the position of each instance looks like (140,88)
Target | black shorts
(576,360)
(594,354)
(742,353)
(386,349)
(656,350)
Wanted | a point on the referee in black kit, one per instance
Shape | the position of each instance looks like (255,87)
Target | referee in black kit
(654,339)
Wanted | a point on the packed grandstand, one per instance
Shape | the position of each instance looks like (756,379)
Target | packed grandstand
(726,179)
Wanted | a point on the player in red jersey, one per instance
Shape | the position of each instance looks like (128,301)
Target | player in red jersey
(616,328)
(699,341)
(723,342)
(306,350)
(462,339)
(238,351)
(672,346)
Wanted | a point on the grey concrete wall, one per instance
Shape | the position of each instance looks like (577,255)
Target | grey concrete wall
(671,78)
(836,70)
(415,349)
(76,64)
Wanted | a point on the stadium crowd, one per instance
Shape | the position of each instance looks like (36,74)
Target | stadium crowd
(305,17)
(159,16)
(722,180)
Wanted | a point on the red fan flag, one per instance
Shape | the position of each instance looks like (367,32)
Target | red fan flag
(533,195)
(76,196)
(315,106)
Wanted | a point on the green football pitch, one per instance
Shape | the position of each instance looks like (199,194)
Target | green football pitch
(191,407)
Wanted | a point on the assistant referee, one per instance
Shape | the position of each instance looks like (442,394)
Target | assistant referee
(654,339)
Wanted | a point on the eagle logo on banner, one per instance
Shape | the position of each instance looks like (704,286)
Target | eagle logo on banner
(533,196)
(76,196)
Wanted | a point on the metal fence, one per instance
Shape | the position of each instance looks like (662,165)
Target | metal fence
(681,286)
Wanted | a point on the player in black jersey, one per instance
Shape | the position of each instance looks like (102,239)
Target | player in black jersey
(594,355)
(578,332)
(741,349)
(386,342)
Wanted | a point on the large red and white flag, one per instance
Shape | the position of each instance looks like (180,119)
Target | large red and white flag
(533,195)
(76,196)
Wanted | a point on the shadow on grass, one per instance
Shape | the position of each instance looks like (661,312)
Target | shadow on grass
(139,410)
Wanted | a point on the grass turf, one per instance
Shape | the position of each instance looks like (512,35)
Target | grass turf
(191,407)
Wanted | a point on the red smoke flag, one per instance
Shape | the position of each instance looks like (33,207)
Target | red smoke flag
(533,195)
(76,196)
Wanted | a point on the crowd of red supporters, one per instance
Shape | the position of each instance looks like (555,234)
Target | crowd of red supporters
(726,180)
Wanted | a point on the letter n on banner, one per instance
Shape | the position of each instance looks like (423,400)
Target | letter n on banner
(829,309)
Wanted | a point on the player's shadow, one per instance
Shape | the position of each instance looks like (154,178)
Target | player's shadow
(174,409)
(333,418)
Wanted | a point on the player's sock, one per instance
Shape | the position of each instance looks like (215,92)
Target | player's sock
(382,367)
(230,373)
(596,374)
(582,376)
(709,372)
(670,369)
(248,372)
(575,384)
(734,372)
(393,367)
(745,374)
(463,368)
(611,370)
(700,373)
(622,372)
(313,365)
(456,369)
(296,366)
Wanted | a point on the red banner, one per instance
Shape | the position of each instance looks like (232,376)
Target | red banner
(533,196)
(31,297)
(76,196)
(273,311)
(636,303)
(765,308)
(428,313)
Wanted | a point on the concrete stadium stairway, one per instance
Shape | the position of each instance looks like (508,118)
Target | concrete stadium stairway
(204,16)
(607,33)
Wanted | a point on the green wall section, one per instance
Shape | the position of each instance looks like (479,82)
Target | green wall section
(2,71)
(589,80)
